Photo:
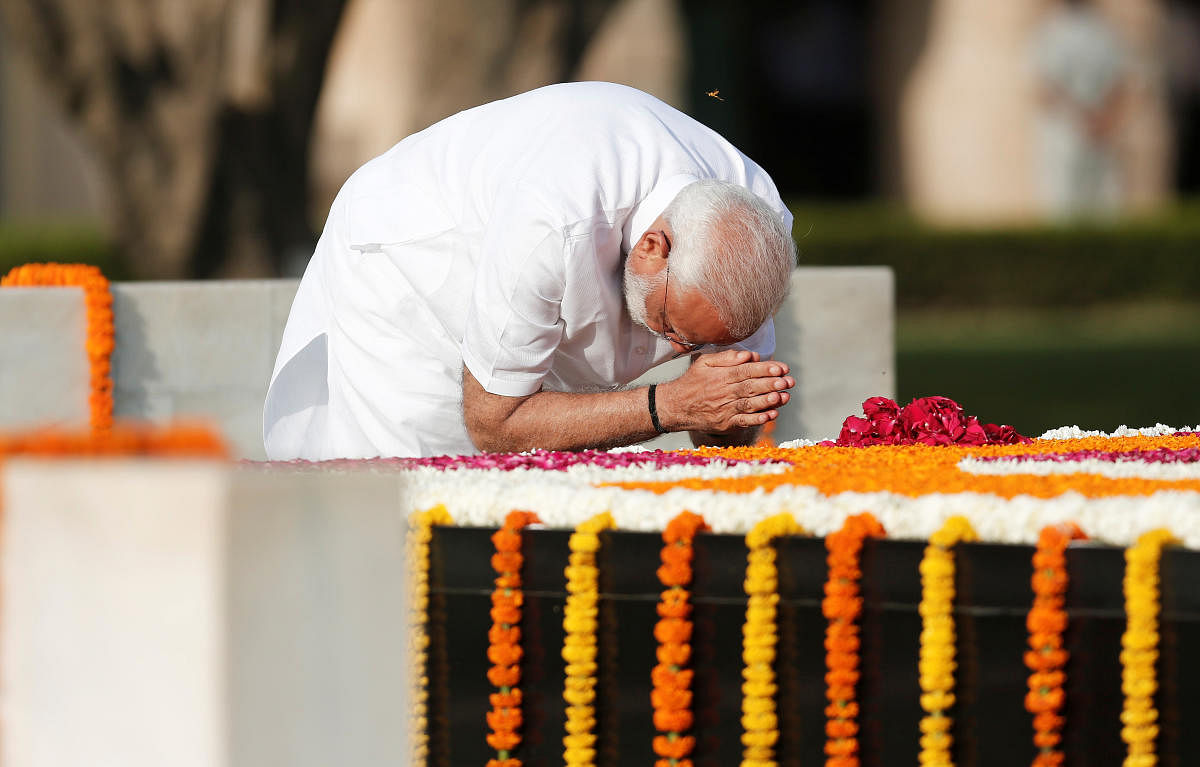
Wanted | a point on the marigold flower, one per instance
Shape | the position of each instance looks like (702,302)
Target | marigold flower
(674,575)
(672,721)
(664,676)
(674,654)
(676,748)
(499,634)
(675,608)
(504,654)
(673,630)
(510,699)
(505,719)
(503,741)
(505,615)
(671,699)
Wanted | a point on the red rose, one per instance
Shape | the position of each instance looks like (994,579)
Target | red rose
(933,417)
(855,431)
(975,433)
(1004,435)
(925,420)
(884,415)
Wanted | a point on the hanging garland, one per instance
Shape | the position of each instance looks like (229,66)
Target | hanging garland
(1139,646)
(842,607)
(100,334)
(504,640)
(579,644)
(760,725)
(671,696)
(1047,656)
(420,534)
(937,664)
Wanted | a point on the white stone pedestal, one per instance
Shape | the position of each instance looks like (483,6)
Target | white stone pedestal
(193,613)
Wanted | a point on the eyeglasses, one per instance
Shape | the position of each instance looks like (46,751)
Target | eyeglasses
(671,335)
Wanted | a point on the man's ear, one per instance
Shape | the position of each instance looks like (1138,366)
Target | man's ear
(652,246)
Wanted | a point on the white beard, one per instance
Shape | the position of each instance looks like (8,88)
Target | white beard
(637,288)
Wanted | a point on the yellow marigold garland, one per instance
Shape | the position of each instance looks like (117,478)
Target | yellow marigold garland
(671,695)
(842,606)
(759,636)
(100,334)
(579,644)
(1047,657)
(420,534)
(1140,647)
(504,640)
(937,663)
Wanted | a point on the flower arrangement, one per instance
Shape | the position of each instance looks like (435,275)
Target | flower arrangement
(1139,645)
(914,471)
(924,421)
(100,334)
(420,534)
(671,695)
(937,640)
(759,636)
(579,642)
(842,607)
(504,649)
(1047,657)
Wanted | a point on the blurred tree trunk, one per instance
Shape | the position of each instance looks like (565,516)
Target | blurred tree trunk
(200,113)
(481,50)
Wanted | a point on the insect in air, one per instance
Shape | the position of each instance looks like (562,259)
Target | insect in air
(715,94)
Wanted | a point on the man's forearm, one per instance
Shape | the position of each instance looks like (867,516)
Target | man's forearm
(725,397)
(558,420)
(570,421)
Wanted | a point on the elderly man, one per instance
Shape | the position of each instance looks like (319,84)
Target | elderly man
(496,281)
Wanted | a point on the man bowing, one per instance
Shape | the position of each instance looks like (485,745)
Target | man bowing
(495,281)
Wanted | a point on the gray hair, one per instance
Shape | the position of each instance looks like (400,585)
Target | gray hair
(733,248)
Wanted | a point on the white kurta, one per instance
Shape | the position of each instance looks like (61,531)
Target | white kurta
(495,238)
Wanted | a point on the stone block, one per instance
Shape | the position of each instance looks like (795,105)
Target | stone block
(195,613)
(199,350)
(318,620)
(837,332)
(44,370)
(206,350)
(113,649)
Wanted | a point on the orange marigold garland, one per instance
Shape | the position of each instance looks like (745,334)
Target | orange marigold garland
(936,665)
(181,440)
(760,723)
(842,606)
(504,640)
(672,680)
(100,335)
(1047,657)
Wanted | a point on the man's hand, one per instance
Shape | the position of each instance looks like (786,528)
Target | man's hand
(722,399)
(723,393)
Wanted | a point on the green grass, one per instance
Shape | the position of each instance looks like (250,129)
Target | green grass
(72,242)
(1098,368)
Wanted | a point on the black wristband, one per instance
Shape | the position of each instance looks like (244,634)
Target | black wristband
(654,412)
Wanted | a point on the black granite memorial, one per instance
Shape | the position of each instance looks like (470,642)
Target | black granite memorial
(992,727)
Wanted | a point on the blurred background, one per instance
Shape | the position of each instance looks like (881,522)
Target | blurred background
(1029,168)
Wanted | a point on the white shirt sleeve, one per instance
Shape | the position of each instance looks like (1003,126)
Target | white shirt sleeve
(513,322)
